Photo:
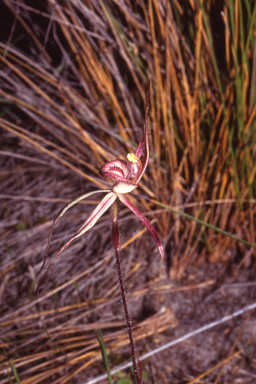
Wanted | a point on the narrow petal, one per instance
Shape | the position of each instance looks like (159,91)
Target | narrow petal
(139,149)
(147,224)
(89,223)
(61,213)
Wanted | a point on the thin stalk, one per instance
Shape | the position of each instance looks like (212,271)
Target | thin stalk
(104,355)
(116,243)
(204,223)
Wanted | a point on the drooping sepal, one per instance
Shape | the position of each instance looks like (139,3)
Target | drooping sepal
(147,224)
(61,213)
(101,208)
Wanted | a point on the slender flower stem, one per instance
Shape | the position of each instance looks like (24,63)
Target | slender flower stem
(116,242)
(126,175)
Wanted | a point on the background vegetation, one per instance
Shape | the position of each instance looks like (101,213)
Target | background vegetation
(73,76)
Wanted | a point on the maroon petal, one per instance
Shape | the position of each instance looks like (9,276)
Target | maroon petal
(139,150)
(145,138)
(147,224)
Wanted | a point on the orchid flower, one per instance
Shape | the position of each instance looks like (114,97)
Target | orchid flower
(126,175)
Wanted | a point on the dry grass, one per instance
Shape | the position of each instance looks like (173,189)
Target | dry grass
(72,87)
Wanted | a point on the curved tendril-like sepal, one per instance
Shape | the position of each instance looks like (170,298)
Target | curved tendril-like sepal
(106,202)
(147,224)
(61,213)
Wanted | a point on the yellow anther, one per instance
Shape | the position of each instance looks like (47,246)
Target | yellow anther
(132,158)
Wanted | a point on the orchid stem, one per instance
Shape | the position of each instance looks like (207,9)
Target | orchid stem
(116,243)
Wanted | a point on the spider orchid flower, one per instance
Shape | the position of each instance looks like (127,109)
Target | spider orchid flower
(126,175)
